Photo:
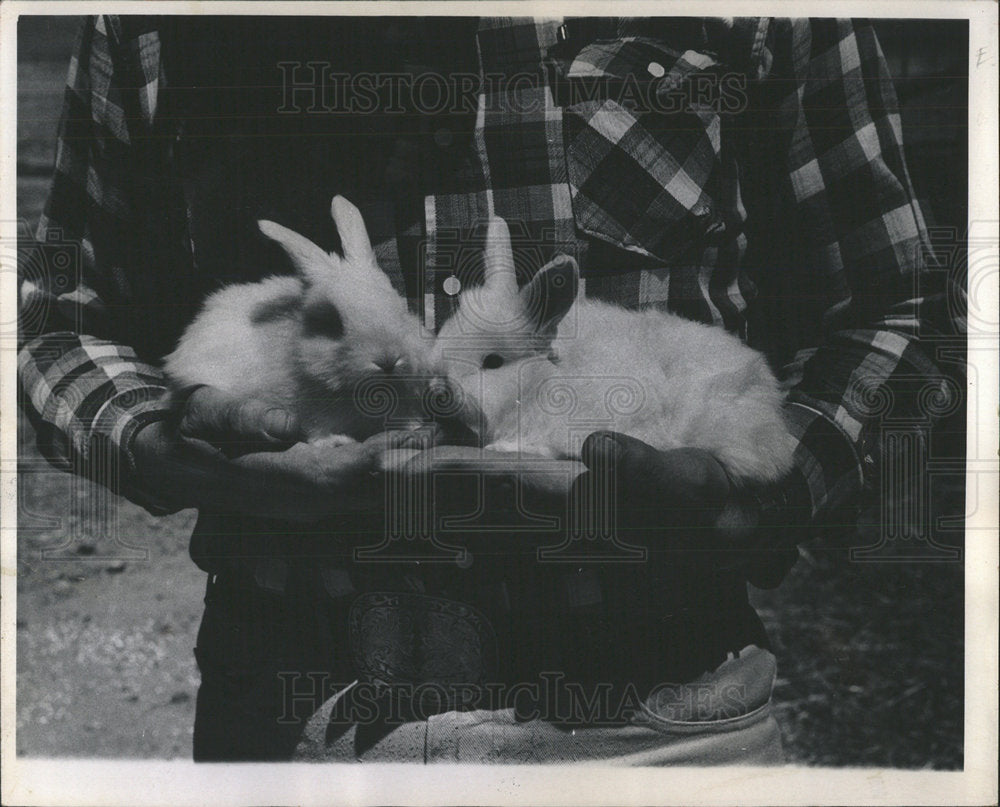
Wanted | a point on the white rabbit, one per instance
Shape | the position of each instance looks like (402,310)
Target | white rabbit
(334,344)
(544,369)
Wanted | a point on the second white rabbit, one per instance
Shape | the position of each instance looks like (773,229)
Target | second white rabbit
(542,368)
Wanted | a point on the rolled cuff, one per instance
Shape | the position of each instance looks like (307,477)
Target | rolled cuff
(826,458)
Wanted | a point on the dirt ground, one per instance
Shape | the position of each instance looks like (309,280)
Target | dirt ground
(104,651)
(870,653)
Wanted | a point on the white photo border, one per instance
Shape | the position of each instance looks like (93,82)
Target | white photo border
(77,782)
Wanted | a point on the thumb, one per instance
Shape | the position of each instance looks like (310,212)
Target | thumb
(272,423)
(604,450)
(681,475)
(220,418)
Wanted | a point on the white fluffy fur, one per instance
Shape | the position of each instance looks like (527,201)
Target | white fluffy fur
(227,348)
(261,340)
(663,379)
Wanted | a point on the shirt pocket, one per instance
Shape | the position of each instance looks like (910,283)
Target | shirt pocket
(643,144)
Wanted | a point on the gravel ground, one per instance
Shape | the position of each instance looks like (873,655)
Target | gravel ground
(104,663)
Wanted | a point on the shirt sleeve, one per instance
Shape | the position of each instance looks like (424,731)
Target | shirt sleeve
(83,384)
(865,279)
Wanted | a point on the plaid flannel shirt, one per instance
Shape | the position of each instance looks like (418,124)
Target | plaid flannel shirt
(648,199)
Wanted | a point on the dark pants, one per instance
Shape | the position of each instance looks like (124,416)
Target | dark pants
(268,661)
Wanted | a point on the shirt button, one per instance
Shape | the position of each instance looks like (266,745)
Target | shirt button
(443,137)
(451,285)
(656,69)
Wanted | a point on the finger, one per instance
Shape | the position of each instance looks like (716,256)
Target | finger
(604,449)
(396,459)
(306,483)
(695,475)
(677,476)
(227,421)
(441,458)
(422,438)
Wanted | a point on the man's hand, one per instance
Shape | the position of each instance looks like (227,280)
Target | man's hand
(234,455)
(236,425)
(683,501)
(683,487)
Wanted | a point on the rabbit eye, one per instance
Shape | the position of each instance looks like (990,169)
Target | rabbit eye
(491,361)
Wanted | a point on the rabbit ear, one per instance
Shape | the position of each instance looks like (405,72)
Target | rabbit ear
(354,239)
(307,258)
(498,269)
(551,292)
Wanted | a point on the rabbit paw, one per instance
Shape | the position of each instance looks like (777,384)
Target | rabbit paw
(333,441)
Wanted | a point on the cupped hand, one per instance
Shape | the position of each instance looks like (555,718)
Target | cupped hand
(682,501)
(677,487)
(235,455)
